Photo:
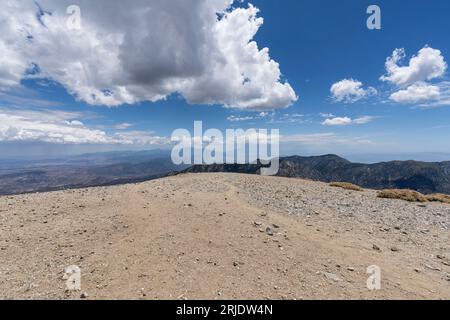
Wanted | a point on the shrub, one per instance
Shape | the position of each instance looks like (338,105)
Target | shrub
(346,186)
(438,197)
(407,195)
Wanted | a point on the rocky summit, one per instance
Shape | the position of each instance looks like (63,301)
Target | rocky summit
(222,236)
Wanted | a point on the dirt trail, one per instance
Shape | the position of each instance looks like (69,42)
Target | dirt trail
(205,237)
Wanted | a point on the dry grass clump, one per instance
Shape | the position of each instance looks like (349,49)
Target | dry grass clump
(346,186)
(438,197)
(407,195)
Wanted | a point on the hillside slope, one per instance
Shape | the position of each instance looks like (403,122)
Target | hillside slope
(222,236)
(426,177)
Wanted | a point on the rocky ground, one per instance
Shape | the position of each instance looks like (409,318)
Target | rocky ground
(222,236)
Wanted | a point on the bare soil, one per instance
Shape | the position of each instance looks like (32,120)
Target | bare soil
(222,236)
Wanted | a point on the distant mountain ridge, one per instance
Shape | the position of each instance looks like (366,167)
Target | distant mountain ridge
(130,167)
(425,177)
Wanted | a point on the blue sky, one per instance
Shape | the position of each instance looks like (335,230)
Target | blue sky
(317,44)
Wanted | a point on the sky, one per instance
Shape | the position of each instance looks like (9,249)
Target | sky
(126,75)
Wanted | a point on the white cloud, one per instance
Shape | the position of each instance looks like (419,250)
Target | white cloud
(414,81)
(233,118)
(345,121)
(350,91)
(416,93)
(428,64)
(326,115)
(144,50)
(49,126)
(63,128)
(123,126)
(338,121)
(363,120)
(12,66)
(259,116)
(140,138)
(75,123)
(442,100)
(286,118)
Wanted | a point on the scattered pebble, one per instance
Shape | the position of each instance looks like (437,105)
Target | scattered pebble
(375,247)
(433,268)
(333,277)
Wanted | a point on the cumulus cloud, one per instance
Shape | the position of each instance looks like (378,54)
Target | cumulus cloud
(443,99)
(345,121)
(63,128)
(143,50)
(428,64)
(350,91)
(419,92)
(416,82)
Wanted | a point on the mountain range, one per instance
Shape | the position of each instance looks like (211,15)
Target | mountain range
(425,177)
(100,169)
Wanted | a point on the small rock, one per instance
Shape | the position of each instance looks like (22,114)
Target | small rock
(375,247)
(440,257)
(269,231)
(276,226)
(258,223)
(84,295)
(395,249)
(332,276)
(351,269)
(432,268)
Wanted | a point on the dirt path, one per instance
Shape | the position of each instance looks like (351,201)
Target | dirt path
(198,237)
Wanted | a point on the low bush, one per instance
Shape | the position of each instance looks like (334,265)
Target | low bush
(407,195)
(346,186)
